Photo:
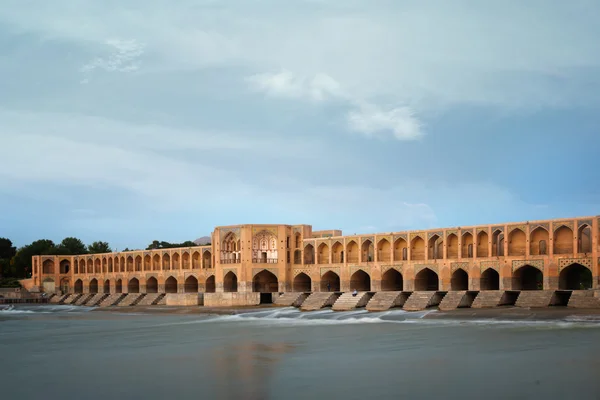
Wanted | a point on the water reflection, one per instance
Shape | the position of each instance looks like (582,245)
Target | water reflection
(244,370)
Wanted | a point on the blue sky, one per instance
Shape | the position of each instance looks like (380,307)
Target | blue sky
(129,122)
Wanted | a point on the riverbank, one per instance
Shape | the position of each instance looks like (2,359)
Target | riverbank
(499,313)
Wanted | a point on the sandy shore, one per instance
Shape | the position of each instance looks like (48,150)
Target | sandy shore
(500,313)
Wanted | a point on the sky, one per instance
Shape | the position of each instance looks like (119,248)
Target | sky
(146,120)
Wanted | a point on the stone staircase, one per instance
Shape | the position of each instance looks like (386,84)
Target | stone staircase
(584,299)
(421,300)
(129,299)
(457,299)
(294,299)
(347,301)
(383,301)
(84,299)
(94,299)
(50,297)
(488,299)
(140,298)
(72,299)
(57,299)
(112,300)
(153,299)
(67,299)
(319,300)
(534,298)
(99,298)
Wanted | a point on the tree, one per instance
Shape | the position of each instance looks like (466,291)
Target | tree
(166,245)
(99,247)
(7,252)
(71,246)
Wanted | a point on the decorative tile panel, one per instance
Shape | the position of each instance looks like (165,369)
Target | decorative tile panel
(459,265)
(307,243)
(497,228)
(355,268)
(335,270)
(539,264)
(490,264)
(479,230)
(397,267)
(148,275)
(226,270)
(420,267)
(535,226)
(417,234)
(582,222)
(565,262)
(205,250)
(271,229)
(337,241)
(451,232)
(400,236)
(521,227)
(558,224)
(306,271)
(432,234)
(388,238)
(274,271)
(297,229)
(225,231)
(364,239)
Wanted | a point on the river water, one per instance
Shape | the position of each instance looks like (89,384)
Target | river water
(69,352)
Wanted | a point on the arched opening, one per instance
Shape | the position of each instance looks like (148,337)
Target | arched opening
(48,267)
(498,243)
(537,241)
(392,280)
(122,265)
(229,249)
(368,251)
(106,286)
(110,265)
(302,283)
(490,280)
(575,277)
(360,281)
(133,286)
(309,254)
(297,256)
(138,264)
(426,280)
(563,240)
(75,269)
(452,246)
(207,260)
(435,247)
(97,266)
(482,244)
(400,252)
(264,247)
(323,254)
(459,280)
(230,282)
(467,245)
(94,286)
(156,262)
(337,252)
(166,264)
(151,285)
(104,265)
(190,285)
(384,249)
(196,260)
(297,240)
(118,286)
(129,264)
(90,266)
(417,249)
(265,282)
(64,266)
(185,260)
(516,243)
(210,286)
(584,239)
(171,285)
(528,278)
(352,252)
(330,282)
(64,285)
(176,261)
(147,263)
(78,286)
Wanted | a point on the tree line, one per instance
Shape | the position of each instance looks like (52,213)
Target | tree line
(16,263)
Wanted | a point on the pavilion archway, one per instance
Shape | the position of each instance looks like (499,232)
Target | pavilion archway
(490,280)
(302,283)
(459,280)
(78,286)
(190,285)
(94,286)
(151,285)
(265,282)
(426,280)
(230,282)
(528,277)
(330,282)
(575,277)
(133,286)
(392,280)
(210,286)
(171,285)
(360,281)
(106,286)
(119,286)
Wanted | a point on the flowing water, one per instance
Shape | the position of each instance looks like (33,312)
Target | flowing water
(69,352)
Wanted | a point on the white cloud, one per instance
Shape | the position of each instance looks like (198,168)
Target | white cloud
(372,120)
(285,84)
(124,57)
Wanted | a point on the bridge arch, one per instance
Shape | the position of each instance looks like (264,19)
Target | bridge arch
(133,286)
(575,277)
(119,286)
(210,285)
(171,285)
(392,280)
(265,282)
(191,284)
(106,287)
(490,280)
(528,277)
(151,285)
(426,280)
(230,282)
(78,286)
(94,286)
(459,280)
(360,281)
(330,282)
(302,283)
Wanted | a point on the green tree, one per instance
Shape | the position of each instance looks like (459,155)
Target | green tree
(20,266)
(71,246)
(7,252)
(99,247)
